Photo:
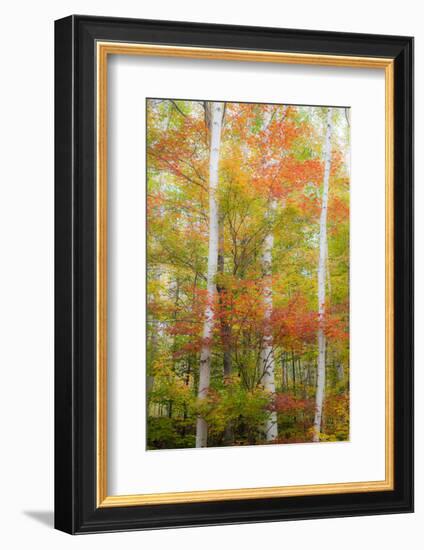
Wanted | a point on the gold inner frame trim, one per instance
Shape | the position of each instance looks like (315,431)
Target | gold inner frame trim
(103,50)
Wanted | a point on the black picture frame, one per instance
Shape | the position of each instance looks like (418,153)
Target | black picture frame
(75,275)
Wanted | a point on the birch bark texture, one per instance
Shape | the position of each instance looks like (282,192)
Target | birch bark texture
(322,275)
(267,351)
(215,111)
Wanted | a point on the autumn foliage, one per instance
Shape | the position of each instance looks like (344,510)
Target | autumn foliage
(269,154)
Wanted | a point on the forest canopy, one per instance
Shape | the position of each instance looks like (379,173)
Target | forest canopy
(247,273)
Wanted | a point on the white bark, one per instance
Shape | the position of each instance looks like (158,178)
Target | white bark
(267,352)
(322,281)
(216,115)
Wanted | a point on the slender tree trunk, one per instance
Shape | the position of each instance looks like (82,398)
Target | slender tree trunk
(155,334)
(216,116)
(293,373)
(322,282)
(225,328)
(224,325)
(152,352)
(267,353)
(284,382)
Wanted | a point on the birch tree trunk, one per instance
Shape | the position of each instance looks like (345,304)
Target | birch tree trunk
(319,400)
(216,111)
(267,352)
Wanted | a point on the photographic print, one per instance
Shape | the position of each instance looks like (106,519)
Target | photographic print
(247,273)
(220,292)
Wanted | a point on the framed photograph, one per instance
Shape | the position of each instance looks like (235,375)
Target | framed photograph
(234,274)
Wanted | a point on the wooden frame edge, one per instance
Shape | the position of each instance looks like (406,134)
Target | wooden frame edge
(103,49)
(101,268)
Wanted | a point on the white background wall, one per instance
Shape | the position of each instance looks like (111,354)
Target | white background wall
(26,273)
